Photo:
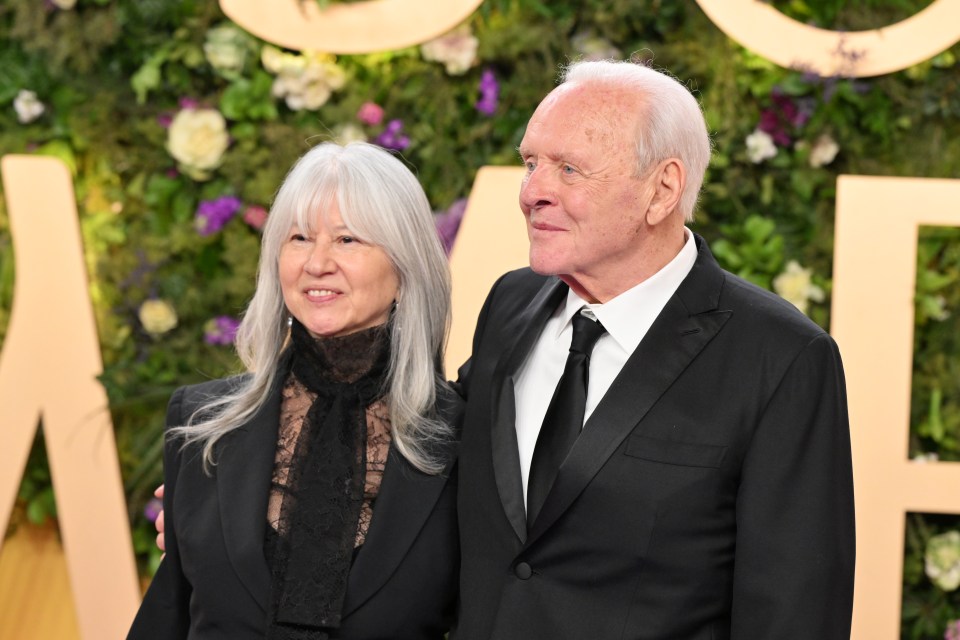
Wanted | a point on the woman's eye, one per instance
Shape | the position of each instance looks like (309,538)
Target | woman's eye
(298,237)
(347,239)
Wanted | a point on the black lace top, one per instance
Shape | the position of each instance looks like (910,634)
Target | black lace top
(332,447)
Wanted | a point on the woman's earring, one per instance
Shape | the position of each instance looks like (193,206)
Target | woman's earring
(289,321)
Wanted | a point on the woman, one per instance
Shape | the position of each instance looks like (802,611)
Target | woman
(311,497)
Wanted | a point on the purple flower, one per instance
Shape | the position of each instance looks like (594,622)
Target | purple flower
(392,137)
(189,103)
(164,119)
(448,223)
(213,214)
(785,117)
(221,330)
(152,509)
(489,93)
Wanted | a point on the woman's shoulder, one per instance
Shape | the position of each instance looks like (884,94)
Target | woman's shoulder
(188,399)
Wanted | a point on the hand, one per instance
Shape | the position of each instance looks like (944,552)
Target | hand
(158,523)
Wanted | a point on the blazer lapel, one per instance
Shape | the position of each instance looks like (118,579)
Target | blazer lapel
(688,322)
(244,472)
(406,500)
(506,456)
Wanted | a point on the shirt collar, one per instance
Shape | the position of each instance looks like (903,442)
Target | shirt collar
(628,316)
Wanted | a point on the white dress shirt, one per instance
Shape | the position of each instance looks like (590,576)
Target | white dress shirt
(627,318)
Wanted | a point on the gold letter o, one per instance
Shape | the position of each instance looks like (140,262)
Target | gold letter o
(764,30)
(362,27)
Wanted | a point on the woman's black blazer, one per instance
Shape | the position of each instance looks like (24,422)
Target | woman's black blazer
(214,582)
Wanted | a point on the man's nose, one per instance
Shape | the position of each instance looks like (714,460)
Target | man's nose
(537,190)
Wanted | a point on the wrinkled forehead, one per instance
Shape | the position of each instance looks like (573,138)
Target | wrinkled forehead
(596,116)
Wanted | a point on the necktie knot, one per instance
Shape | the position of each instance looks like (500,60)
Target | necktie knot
(586,332)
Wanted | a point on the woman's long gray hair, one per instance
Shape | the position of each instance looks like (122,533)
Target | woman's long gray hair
(381,202)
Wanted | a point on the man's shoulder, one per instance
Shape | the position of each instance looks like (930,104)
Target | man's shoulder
(757,307)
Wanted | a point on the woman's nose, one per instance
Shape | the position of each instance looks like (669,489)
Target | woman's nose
(320,260)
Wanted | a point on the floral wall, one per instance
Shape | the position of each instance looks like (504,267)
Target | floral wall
(178,127)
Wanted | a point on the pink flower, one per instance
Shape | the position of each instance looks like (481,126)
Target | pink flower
(255,216)
(370,113)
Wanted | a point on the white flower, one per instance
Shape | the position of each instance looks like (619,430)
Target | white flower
(304,81)
(27,106)
(456,49)
(760,146)
(157,316)
(349,132)
(593,47)
(795,285)
(197,139)
(64,4)
(824,150)
(226,48)
(924,458)
(942,560)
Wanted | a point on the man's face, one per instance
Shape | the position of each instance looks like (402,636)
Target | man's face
(584,207)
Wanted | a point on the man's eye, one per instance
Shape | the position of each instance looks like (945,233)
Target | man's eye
(530,165)
(568,170)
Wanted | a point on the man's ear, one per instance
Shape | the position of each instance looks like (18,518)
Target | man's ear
(668,181)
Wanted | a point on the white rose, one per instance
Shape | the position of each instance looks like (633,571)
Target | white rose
(347,133)
(157,316)
(795,285)
(760,146)
(942,560)
(304,81)
(457,50)
(197,139)
(824,150)
(27,106)
(226,48)
(65,5)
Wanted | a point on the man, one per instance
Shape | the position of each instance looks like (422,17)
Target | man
(709,494)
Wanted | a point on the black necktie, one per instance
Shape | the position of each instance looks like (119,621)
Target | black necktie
(564,418)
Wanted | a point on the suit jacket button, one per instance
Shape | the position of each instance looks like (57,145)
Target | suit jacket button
(523,571)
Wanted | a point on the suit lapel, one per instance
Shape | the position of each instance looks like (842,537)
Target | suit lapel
(244,472)
(406,500)
(527,325)
(688,322)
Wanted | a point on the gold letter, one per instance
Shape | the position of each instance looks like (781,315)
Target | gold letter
(492,240)
(364,27)
(764,30)
(874,274)
(49,367)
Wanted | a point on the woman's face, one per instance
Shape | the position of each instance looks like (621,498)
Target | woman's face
(334,283)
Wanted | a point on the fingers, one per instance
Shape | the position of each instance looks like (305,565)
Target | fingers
(158,523)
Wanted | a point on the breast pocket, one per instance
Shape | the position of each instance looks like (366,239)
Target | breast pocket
(684,454)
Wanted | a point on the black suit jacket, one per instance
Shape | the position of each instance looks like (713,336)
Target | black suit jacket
(708,497)
(214,581)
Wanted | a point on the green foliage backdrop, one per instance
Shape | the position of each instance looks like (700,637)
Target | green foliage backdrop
(178,127)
